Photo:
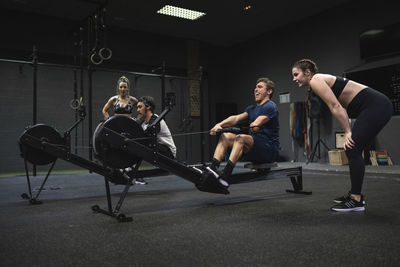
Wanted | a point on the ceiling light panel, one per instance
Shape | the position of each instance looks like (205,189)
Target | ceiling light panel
(180,12)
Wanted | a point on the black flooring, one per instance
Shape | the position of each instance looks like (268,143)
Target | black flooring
(174,224)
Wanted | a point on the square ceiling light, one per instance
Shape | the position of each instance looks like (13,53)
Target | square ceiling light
(180,12)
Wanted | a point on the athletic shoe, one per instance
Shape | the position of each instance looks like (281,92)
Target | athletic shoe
(222,181)
(341,199)
(349,205)
(140,181)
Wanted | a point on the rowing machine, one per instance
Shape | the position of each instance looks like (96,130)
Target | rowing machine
(119,142)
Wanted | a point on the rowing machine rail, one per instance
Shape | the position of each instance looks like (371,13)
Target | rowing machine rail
(268,171)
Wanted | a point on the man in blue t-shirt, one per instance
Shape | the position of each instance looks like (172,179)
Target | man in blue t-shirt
(260,145)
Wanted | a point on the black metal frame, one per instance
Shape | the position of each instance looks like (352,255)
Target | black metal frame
(317,144)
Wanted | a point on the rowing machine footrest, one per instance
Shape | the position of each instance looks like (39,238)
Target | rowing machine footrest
(209,183)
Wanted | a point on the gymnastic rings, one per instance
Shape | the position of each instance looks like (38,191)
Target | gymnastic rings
(105,53)
(76,103)
(96,59)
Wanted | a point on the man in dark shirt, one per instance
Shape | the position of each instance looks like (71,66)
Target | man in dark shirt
(260,145)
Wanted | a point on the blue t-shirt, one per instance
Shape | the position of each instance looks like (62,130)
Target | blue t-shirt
(270,130)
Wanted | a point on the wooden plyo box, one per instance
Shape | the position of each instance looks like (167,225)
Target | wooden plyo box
(338,157)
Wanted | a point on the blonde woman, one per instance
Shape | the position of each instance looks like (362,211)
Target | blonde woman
(122,103)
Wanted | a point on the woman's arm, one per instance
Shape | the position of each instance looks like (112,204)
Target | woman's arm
(134,101)
(107,106)
(320,87)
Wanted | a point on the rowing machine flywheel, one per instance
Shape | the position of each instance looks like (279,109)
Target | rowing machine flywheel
(42,133)
(105,151)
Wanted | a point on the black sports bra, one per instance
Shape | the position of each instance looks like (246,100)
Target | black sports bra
(339,85)
(118,109)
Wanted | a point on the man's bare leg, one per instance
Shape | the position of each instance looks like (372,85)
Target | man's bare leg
(225,141)
(242,144)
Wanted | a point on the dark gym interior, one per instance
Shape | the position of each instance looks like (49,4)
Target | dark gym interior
(59,65)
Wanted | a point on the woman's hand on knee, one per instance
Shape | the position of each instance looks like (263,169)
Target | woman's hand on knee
(348,141)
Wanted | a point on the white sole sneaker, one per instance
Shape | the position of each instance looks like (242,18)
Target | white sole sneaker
(349,209)
(338,202)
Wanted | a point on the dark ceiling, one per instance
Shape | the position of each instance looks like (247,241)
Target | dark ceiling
(225,23)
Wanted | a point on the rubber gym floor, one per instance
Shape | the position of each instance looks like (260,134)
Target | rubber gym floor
(174,224)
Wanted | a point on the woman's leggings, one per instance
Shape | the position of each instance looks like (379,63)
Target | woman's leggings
(372,111)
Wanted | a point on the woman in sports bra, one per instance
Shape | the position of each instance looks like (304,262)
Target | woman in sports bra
(348,99)
(123,103)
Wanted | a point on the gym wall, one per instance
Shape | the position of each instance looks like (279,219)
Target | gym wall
(230,73)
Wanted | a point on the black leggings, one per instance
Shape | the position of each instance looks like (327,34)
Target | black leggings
(372,111)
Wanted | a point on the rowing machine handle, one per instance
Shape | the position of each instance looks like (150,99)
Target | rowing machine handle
(234,130)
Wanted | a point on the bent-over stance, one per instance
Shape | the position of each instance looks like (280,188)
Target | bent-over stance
(371,109)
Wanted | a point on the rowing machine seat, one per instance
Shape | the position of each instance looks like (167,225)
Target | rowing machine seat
(261,166)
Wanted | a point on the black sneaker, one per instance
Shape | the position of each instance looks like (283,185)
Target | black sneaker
(341,199)
(349,204)
(140,181)
(219,177)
